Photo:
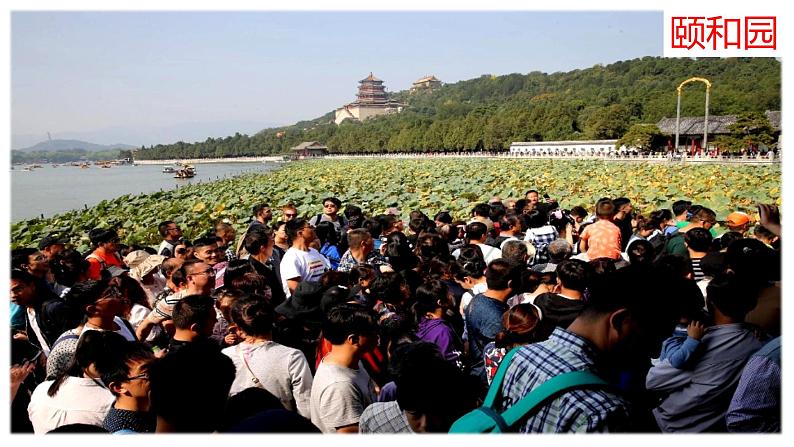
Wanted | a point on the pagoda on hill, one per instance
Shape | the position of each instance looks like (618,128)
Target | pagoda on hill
(371,100)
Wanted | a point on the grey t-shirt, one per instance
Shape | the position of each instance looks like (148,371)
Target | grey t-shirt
(339,396)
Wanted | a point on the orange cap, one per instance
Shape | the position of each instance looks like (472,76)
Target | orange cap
(737,219)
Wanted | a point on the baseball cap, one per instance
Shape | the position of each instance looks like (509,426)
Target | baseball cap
(736,219)
(52,240)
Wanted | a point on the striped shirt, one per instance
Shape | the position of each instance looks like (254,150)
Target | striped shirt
(164,309)
(580,410)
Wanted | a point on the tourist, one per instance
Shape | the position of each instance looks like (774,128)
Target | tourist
(261,215)
(476,234)
(52,245)
(99,303)
(105,254)
(602,238)
(697,241)
(360,251)
(75,395)
(199,279)
(532,198)
(261,362)
(301,262)
(613,328)
(206,250)
(189,389)
(738,221)
(469,273)
(342,389)
(701,218)
(560,307)
(482,213)
(484,313)
(281,241)
(540,233)
(288,212)
(226,235)
(126,375)
(171,234)
(623,217)
(46,315)
(194,319)
(518,329)
(696,399)
(755,406)
(681,214)
(509,230)
(328,241)
(430,308)
(260,244)
(331,214)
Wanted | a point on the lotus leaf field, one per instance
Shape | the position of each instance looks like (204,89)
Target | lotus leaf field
(428,184)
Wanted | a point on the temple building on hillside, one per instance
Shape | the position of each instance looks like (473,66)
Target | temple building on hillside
(426,83)
(372,100)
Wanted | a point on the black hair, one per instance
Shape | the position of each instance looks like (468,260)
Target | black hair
(641,251)
(162,228)
(620,201)
(399,252)
(681,206)
(388,287)
(326,232)
(293,227)
(68,266)
(481,209)
(258,208)
(86,293)
(204,241)
(254,315)
(353,211)
(427,298)
(92,347)
(346,319)
(100,236)
(247,403)
(115,366)
(574,274)
(728,238)
(673,266)
(256,238)
(515,252)
(579,211)
(475,231)
(470,262)
(732,296)
(499,274)
(189,387)
(20,257)
(333,200)
(373,226)
(698,239)
(531,190)
(443,217)
(602,266)
(236,269)
(537,218)
(428,384)
(193,309)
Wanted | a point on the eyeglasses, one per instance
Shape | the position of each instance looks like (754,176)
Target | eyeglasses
(205,272)
(174,229)
(329,205)
(144,376)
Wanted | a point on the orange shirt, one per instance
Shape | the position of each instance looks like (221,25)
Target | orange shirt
(95,267)
(603,240)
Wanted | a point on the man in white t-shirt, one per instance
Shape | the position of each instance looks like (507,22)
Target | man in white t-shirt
(301,262)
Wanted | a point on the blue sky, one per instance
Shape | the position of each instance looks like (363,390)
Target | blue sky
(157,77)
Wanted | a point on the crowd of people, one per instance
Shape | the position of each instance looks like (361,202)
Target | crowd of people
(345,322)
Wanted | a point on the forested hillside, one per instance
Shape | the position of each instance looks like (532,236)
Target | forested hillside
(490,112)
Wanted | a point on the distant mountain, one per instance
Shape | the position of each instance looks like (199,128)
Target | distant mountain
(65,145)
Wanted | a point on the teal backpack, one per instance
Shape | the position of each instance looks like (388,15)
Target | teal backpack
(487,420)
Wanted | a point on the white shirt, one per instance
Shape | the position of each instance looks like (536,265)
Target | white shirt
(79,400)
(282,371)
(306,265)
(488,253)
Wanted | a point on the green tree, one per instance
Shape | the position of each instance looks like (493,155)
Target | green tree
(750,130)
(644,137)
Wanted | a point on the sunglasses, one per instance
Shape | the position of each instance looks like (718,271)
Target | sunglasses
(289,215)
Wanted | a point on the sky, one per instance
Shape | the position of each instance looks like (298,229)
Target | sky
(159,77)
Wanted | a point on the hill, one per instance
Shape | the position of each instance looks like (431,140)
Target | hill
(65,145)
(489,112)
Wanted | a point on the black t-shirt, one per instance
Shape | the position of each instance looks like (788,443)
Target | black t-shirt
(557,312)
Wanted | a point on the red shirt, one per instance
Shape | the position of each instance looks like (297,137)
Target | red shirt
(95,267)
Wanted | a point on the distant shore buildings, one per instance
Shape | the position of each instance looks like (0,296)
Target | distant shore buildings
(372,100)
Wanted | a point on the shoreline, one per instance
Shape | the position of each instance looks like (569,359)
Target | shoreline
(269,159)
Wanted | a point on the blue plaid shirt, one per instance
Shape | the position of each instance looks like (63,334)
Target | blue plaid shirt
(581,410)
(348,261)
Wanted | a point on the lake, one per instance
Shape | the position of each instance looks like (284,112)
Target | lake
(52,190)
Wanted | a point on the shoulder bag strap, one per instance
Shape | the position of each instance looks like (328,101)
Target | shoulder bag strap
(496,384)
(549,390)
(254,379)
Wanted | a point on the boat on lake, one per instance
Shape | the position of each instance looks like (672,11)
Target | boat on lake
(187,171)
(169,170)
